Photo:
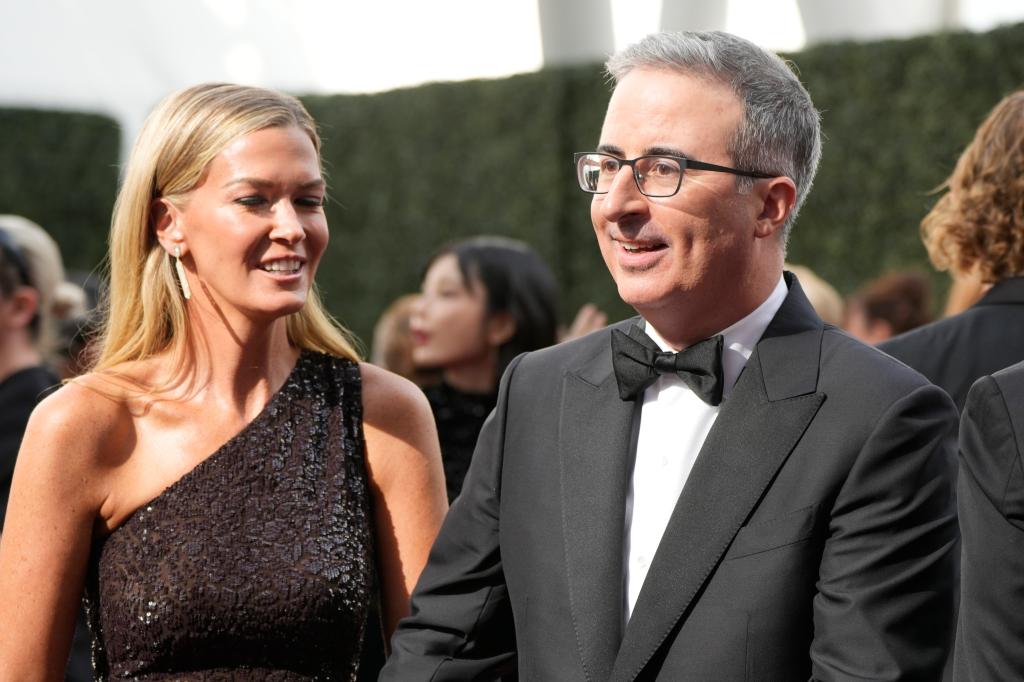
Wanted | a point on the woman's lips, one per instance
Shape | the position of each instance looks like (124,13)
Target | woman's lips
(419,337)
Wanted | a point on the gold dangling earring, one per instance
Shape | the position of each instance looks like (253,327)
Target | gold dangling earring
(181,273)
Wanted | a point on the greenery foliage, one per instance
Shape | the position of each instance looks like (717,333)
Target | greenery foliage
(60,169)
(412,169)
(896,115)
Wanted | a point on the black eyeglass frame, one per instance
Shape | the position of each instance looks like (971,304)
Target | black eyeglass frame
(683,162)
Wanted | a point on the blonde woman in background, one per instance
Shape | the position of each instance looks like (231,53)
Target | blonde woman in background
(825,300)
(229,482)
(33,298)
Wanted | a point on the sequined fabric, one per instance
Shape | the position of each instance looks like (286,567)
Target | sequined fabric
(258,563)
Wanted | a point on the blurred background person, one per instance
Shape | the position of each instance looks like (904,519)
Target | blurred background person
(491,298)
(824,298)
(31,271)
(34,301)
(589,318)
(79,332)
(965,289)
(977,226)
(484,301)
(392,342)
(229,468)
(891,304)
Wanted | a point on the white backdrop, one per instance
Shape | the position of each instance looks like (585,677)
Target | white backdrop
(120,56)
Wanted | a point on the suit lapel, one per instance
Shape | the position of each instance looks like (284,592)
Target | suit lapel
(594,445)
(768,411)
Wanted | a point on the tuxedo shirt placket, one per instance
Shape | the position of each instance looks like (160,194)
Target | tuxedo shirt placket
(674,423)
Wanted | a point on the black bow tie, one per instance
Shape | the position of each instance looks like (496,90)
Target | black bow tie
(638,363)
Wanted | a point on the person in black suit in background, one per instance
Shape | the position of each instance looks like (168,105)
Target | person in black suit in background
(990,497)
(977,228)
(772,502)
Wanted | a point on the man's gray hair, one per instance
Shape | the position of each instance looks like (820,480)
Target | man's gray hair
(781,130)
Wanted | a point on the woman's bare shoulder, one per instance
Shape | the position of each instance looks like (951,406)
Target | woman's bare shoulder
(397,420)
(87,416)
(390,398)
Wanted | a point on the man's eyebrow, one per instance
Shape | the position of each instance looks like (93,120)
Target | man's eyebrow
(658,150)
(666,151)
(261,183)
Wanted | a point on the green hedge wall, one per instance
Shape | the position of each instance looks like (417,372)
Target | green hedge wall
(412,169)
(60,169)
(415,168)
(896,116)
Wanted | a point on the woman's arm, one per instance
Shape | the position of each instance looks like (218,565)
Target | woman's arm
(406,481)
(44,549)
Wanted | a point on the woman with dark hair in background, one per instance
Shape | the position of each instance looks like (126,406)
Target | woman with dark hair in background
(485,300)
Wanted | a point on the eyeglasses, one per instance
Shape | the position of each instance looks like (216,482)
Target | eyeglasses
(655,176)
(12,252)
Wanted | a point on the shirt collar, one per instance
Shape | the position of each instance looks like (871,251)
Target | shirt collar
(739,337)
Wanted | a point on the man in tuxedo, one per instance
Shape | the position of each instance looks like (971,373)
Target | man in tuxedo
(771,502)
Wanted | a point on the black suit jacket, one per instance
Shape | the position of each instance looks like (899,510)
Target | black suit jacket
(815,534)
(19,394)
(957,351)
(990,639)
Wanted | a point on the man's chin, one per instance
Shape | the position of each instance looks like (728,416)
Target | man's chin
(642,299)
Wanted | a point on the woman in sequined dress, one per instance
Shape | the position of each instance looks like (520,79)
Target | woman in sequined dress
(484,301)
(229,484)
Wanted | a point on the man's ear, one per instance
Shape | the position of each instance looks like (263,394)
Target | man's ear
(22,307)
(778,196)
(165,219)
(500,328)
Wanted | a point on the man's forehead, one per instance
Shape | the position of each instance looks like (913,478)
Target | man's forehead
(660,111)
(647,87)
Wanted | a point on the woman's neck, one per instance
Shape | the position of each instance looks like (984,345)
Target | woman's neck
(472,378)
(17,354)
(240,365)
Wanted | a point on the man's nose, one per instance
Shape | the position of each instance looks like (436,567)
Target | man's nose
(623,197)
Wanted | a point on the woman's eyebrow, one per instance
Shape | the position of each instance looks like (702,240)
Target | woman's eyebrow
(261,183)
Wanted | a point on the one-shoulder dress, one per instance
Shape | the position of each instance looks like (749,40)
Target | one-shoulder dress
(258,564)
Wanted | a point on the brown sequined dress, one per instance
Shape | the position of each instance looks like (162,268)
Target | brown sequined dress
(258,563)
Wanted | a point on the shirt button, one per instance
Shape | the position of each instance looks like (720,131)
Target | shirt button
(641,560)
(664,462)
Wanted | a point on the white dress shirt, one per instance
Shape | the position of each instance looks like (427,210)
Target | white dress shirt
(674,422)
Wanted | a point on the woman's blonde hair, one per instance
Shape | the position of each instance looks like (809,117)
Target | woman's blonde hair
(979,221)
(58,299)
(145,313)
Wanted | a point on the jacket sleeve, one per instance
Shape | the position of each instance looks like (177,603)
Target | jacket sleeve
(884,609)
(990,637)
(461,625)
